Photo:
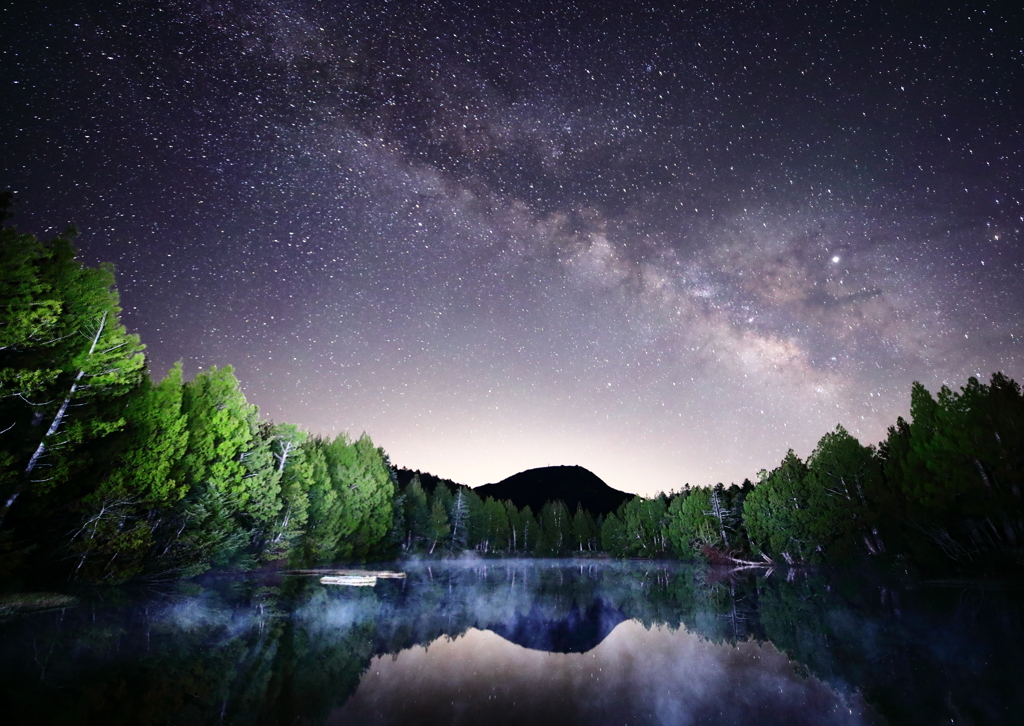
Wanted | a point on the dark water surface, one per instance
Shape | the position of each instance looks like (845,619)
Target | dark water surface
(542,641)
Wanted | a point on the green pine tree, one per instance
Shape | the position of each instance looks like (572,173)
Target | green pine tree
(65,362)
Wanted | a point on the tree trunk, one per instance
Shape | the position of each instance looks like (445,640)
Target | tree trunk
(54,425)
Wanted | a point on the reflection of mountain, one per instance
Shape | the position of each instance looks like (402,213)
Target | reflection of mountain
(287,649)
(572,484)
(575,633)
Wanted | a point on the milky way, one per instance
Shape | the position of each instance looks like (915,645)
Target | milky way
(664,245)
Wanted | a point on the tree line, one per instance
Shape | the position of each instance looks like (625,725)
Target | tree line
(942,491)
(107,475)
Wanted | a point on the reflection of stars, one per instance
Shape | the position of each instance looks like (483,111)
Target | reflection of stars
(471,230)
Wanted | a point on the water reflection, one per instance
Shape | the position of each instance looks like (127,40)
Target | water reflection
(514,642)
(635,676)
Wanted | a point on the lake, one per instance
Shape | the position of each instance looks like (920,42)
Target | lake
(524,641)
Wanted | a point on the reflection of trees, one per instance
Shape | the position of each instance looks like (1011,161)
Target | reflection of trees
(292,650)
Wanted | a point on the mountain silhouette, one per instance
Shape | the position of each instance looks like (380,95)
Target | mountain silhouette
(574,485)
(578,632)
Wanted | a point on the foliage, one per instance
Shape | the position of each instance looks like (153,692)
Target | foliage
(954,473)
(113,477)
(691,526)
(776,512)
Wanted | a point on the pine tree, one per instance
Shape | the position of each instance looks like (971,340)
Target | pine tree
(375,496)
(458,517)
(643,522)
(325,511)
(515,527)
(439,526)
(957,471)
(690,525)
(497,525)
(220,432)
(844,479)
(65,360)
(776,513)
(417,515)
(555,528)
(584,531)
(295,473)
(260,513)
(364,495)
(119,518)
(476,520)
(613,535)
(529,536)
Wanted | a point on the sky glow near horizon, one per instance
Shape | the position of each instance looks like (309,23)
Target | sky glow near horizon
(663,245)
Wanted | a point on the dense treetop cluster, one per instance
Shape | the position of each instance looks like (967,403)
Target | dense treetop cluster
(107,475)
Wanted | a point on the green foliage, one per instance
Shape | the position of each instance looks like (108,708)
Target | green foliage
(200,533)
(296,470)
(584,530)
(155,438)
(614,538)
(458,517)
(324,509)
(29,309)
(67,366)
(417,517)
(351,496)
(261,483)
(476,534)
(65,360)
(439,528)
(776,512)
(957,470)
(124,478)
(219,433)
(372,493)
(527,530)
(690,524)
(968,442)
(495,527)
(555,529)
(216,514)
(644,522)
(119,518)
(844,479)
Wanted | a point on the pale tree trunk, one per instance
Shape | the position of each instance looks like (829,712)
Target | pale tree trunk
(54,426)
(283,456)
(284,526)
(871,548)
(878,539)
(718,513)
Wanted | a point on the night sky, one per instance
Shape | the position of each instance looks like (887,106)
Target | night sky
(666,245)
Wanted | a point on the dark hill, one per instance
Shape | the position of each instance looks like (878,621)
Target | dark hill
(572,484)
(578,632)
(428,481)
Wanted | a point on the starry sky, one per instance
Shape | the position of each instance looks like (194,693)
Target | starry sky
(664,244)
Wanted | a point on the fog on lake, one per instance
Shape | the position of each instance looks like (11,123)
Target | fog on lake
(522,641)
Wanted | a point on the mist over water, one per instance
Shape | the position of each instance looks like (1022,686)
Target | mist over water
(531,641)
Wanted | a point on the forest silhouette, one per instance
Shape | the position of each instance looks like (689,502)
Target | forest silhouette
(108,475)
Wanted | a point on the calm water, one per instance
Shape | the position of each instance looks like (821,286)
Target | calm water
(524,642)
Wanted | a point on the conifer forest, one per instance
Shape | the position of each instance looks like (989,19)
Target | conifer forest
(111,472)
